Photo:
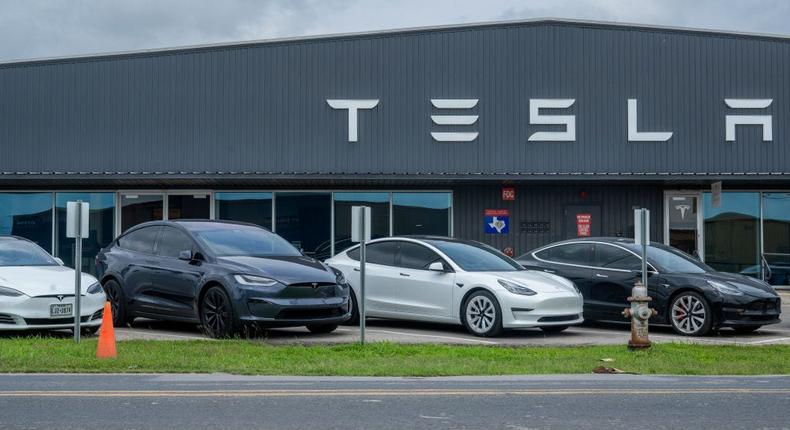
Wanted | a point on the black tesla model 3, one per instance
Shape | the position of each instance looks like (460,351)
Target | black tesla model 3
(221,275)
(688,295)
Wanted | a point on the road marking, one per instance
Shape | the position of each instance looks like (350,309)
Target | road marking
(155,334)
(768,341)
(433,335)
(392,393)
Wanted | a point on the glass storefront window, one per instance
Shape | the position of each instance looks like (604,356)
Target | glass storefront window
(27,215)
(732,233)
(140,208)
(255,208)
(102,227)
(379,204)
(776,237)
(421,213)
(189,206)
(304,220)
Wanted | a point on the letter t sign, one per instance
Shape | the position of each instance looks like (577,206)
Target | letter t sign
(353,106)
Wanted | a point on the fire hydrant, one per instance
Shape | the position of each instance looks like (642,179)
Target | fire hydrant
(639,313)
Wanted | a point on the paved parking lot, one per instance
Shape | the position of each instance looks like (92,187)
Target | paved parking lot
(412,332)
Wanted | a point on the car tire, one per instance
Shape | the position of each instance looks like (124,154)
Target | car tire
(117,299)
(482,315)
(217,318)
(354,320)
(554,328)
(696,322)
(746,329)
(321,328)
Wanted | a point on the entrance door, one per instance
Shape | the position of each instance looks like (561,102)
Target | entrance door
(776,238)
(137,208)
(189,206)
(681,228)
(582,221)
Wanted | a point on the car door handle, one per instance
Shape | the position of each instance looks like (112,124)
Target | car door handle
(598,275)
(356,269)
(404,274)
(549,271)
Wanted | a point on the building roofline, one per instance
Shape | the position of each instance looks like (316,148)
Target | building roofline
(392,32)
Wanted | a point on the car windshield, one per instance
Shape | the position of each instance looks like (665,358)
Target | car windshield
(476,258)
(245,241)
(672,261)
(23,253)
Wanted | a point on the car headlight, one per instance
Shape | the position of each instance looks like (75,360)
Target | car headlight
(95,288)
(10,292)
(724,288)
(516,288)
(339,277)
(258,281)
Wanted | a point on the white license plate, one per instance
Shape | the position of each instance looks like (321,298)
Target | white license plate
(60,310)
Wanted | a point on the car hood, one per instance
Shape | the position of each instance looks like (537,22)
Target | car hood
(745,284)
(288,270)
(539,282)
(42,280)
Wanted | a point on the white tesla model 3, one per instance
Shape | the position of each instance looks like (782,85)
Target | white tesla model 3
(37,291)
(448,280)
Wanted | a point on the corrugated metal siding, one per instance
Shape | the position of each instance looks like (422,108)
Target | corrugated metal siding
(547,203)
(262,108)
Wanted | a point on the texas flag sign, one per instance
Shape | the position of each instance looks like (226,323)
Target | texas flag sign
(496,221)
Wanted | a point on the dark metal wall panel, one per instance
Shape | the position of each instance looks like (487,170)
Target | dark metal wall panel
(547,204)
(262,108)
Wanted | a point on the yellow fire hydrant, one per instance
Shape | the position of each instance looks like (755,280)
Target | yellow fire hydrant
(640,313)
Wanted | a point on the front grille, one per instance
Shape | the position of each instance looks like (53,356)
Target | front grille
(767,305)
(7,319)
(310,284)
(309,314)
(49,321)
(558,318)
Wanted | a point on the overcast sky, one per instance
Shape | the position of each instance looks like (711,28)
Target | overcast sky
(46,28)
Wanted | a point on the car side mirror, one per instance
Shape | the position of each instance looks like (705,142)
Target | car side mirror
(650,273)
(185,255)
(436,266)
(59,261)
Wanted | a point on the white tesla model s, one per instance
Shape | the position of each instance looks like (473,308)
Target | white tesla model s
(37,291)
(457,281)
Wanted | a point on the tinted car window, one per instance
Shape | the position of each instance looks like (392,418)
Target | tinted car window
(414,256)
(23,253)
(476,257)
(572,253)
(673,261)
(141,240)
(172,242)
(242,240)
(612,257)
(381,253)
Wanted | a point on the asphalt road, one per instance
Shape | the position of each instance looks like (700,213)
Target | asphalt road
(417,332)
(239,402)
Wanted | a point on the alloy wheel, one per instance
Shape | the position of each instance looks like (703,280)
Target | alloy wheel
(688,314)
(480,314)
(216,312)
(111,291)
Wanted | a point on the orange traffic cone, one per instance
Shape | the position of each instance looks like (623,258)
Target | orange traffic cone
(106,348)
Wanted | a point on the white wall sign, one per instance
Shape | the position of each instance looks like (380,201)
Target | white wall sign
(441,136)
(634,135)
(535,117)
(77,214)
(353,107)
(764,120)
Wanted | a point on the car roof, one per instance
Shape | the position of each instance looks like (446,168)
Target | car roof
(626,242)
(196,224)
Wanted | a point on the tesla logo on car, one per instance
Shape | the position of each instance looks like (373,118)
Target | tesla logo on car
(682,209)
(60,298)
(315,285)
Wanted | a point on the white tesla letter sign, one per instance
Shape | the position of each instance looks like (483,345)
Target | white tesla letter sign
(77,227)
(443,136)
(535,118)
(353,107)
(634,135)
(764,120)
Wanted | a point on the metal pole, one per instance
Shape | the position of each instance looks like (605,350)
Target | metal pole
(77,272)
(362,277)
(643,215)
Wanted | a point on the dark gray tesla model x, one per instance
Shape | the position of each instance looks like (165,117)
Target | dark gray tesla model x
(221,275)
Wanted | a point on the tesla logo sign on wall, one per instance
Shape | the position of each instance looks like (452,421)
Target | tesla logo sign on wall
(583,224)
(458,113)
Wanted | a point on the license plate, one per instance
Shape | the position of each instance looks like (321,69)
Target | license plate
(60,310)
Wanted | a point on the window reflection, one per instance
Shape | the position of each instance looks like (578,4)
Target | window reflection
(732,233)
(776,225)
(27,215)
(254,208)
(379,204)
(140,208)
(101,227)
(304,220)
(421,213)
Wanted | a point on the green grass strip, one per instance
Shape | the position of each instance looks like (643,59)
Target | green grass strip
(385,359)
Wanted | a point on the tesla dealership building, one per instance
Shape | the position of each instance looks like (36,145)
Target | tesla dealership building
(515,134)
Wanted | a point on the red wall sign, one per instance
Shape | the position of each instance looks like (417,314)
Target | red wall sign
(509,194)
(583,223)
(508,251)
